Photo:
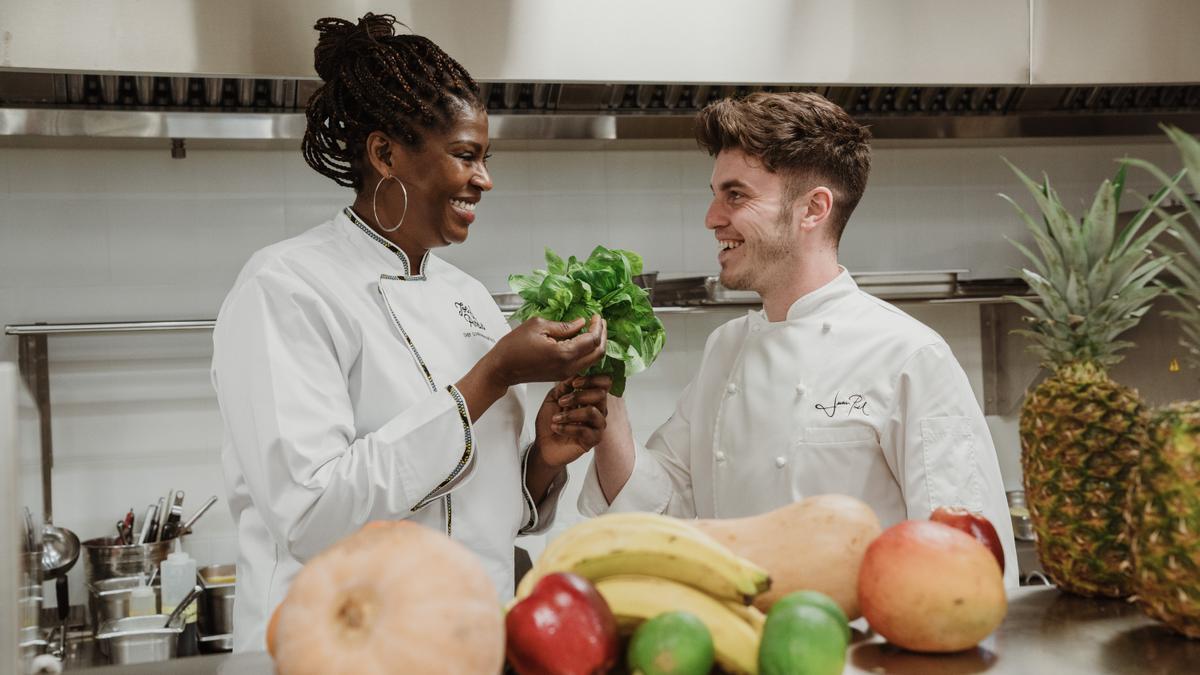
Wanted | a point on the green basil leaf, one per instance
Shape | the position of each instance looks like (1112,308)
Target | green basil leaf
(602,284)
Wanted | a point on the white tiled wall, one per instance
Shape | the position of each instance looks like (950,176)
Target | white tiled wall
(107,235)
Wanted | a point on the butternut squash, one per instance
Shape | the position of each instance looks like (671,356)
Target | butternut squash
(394,597)
(816,544)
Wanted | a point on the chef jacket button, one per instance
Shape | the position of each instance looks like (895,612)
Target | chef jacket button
(826,326)
(800,390)
(731,388)
(781,461)
(720,456)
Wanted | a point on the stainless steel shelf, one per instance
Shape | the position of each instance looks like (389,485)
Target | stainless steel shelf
(113,327)
(893,287)
(150,124)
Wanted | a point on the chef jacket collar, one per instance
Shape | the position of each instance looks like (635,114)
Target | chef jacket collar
(841,286)
(384,250)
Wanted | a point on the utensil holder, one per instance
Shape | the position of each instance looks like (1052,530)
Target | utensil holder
(104,558)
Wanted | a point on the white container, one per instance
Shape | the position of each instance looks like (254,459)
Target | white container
(178,574)
(142,600)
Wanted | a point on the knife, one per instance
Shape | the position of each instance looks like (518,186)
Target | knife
(31,545)
(164,510)
(129,526)
(171,527)
(156,524)
(149,524)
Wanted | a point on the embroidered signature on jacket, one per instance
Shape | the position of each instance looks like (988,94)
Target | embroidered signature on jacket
(468,316)
(852,403)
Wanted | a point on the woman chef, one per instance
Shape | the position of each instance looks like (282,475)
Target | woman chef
(361,377)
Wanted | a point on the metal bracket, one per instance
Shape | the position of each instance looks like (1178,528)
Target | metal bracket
(989,343)
(33,358)
(1008,370)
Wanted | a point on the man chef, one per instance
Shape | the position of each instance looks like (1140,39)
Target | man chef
(826,389)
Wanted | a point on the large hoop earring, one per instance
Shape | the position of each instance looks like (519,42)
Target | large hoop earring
(375,211)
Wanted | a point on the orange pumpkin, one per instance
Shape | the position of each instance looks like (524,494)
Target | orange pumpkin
(390,598)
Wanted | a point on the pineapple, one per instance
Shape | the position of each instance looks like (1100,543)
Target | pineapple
(1080,430)
(1164,515)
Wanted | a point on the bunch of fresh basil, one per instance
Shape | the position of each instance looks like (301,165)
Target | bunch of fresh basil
(602,284)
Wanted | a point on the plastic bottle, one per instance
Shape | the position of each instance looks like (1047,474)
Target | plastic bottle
(142,601)
(178,574)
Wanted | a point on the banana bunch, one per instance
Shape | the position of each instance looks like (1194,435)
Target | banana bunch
(651,545)
(635,598)
(645,564)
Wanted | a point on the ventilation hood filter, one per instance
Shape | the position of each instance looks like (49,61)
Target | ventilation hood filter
(141,106)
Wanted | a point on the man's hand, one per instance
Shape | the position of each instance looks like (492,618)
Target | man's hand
(615,452)
(572,418)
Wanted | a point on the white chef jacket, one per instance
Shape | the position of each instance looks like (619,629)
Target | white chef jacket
(334,364)
(847,395)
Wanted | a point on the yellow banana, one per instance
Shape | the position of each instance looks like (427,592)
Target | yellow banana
(750,614)
(631,519)
(585,528)
(581,530)
(636,598)
(652,545)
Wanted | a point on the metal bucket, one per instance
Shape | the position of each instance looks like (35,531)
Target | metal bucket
(1022,524)
(216,603)
(109,599)
(29,606)
(139,639)
(104,558)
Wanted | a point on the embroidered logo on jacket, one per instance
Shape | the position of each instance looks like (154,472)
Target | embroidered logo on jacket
(468,316)
(852,403)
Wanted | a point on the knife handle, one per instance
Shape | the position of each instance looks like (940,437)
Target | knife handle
(156,523)
(148,524)
(171,527)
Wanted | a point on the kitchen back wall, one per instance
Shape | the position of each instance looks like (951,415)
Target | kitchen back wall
(118,234)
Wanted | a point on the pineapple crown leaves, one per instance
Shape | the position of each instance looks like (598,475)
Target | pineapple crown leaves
(1184,270)
(1093,282)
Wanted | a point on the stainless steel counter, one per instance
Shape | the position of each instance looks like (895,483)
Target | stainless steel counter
(1051,633)
(1045,632)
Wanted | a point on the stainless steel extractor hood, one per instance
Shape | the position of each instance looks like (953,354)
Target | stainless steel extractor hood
(113,106)
(623,69)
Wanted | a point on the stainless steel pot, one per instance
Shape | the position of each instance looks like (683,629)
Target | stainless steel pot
(109,598)
(105,558)
(1019,512)
(29,606)
(139,639)
(215,644)
(216,603)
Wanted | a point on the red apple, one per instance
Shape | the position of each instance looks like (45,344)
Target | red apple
(973,524)
(929,587)
(564,627)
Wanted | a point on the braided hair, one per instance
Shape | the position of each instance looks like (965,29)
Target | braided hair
(374,80)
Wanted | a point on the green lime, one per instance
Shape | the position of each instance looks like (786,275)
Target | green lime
(672,643)
(816,599)
(801,639)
